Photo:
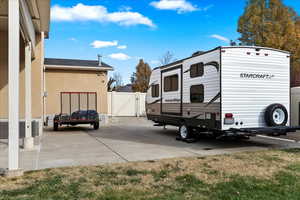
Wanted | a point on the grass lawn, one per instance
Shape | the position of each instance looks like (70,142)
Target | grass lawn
(273,174)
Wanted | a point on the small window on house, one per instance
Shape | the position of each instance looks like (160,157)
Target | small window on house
(197,93)
(171,83)
(155,90)
(197,70)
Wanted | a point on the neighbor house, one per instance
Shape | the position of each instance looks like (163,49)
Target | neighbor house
(73,85)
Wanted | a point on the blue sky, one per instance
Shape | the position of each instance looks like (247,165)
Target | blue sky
(123,31)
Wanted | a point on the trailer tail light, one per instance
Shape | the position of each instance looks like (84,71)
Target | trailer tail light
(228,119)
(228,115)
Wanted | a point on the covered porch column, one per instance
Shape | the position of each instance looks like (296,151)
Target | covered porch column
(13,87)
(28,140)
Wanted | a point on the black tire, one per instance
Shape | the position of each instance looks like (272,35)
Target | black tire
(96,125)
(276,115)
(55,127)
(185,132)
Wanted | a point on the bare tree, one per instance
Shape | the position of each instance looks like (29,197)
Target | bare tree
(167,58)
(114,82)
(118,82)
(110,83)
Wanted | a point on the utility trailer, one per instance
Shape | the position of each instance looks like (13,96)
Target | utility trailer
(227,91)
(77,108)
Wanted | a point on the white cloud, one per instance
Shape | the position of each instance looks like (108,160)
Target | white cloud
(102,44)
(119,56)
(99,13)
(180,6)
(219,37)
(207,7)
(122,47)
(73,39)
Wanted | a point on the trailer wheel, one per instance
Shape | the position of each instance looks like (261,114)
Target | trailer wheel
(96,125)
(55,127)
(276,115)
(185,132)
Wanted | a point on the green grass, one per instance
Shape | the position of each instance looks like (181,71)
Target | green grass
(172,179)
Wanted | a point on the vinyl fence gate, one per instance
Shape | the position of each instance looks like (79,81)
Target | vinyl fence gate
(74,101)
(126,104)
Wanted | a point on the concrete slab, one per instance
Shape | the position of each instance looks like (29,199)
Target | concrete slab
(125,139)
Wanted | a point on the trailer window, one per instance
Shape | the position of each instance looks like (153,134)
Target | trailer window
(197,93)
(171,83)
(155,90)
(197,70)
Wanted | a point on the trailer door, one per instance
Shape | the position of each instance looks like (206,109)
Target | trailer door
(171,90)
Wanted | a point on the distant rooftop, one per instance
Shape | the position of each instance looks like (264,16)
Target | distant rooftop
(75,62)
(125,88)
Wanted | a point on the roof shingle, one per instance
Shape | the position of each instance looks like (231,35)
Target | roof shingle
(75,62)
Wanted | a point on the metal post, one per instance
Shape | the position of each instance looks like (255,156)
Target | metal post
(70,103)
(96,101)
(13,85)
(79,101)
(28,140)
(61,102)
(87,96)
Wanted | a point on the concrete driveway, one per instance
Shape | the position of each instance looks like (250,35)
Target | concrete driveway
(125,139)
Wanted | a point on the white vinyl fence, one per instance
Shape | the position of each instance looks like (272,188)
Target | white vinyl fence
(129,104)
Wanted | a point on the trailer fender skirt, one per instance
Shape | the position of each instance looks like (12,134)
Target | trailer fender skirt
(267,130)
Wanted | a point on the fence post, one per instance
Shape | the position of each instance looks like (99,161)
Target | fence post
(112,103)
(137,104)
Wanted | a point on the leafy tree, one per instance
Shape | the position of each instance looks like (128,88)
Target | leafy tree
(272,24)
(140,78)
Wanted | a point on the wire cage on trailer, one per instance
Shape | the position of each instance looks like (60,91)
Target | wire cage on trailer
(75,101)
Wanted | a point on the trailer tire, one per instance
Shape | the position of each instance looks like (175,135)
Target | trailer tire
(96,125)
(185,132)
(276,115)
(55,126)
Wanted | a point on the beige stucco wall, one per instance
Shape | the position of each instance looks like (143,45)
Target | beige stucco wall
(37,69)
(37,81)
(62,80)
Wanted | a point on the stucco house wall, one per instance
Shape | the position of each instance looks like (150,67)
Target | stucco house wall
(36,75)
(63,80)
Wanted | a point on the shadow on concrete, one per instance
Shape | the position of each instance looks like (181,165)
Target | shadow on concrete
(63,129)
(160,136)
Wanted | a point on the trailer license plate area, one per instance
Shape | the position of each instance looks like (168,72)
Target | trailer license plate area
(228,121)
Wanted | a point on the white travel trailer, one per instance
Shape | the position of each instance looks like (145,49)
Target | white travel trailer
(238,90)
